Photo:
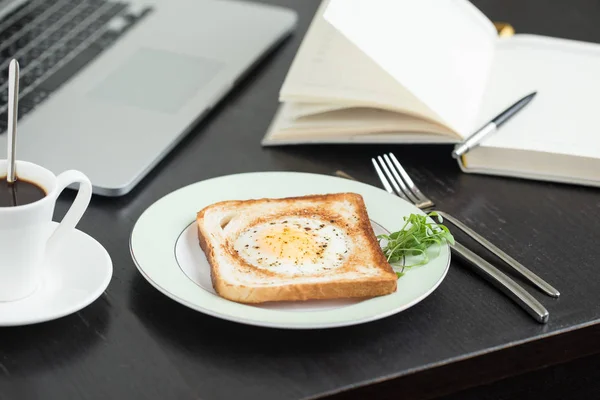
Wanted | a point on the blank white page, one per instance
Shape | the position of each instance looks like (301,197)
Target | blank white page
(328,68)
(564,116)
(299,109)
(440,50)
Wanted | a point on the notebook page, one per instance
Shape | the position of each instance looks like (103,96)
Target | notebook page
(563,117)
(440,50)
(299,110)
(328,68)
(356,121)
(352,126)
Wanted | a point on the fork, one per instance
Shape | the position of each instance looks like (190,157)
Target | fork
(402,186)
(406,188)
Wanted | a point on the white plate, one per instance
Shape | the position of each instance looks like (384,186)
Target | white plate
(165,249)
(70,280)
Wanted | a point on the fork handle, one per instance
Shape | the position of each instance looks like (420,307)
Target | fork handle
(533,278)
(503,282)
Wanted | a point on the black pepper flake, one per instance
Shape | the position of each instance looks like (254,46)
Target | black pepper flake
(332,221)
(307,229)
(322,226)
(246,246)
(256,247)
(285,222)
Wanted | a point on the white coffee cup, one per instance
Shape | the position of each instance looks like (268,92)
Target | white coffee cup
(27,234)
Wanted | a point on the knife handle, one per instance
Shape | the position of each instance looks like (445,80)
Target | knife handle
(502,282)
(526,273)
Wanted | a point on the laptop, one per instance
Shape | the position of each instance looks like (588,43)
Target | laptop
(110,87)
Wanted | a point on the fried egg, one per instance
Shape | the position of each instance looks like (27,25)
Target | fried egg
(294,245)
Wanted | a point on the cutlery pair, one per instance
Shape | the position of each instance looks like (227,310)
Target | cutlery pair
(397,182)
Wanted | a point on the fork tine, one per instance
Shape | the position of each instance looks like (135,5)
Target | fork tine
(388,174)
(382,178)
(415,190)
(391,180)
(400,182)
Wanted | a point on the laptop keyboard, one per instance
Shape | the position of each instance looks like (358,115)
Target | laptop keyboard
(53,40)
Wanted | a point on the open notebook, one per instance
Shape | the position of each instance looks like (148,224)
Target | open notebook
(434,71)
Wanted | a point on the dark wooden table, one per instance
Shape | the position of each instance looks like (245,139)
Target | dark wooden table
(135,343)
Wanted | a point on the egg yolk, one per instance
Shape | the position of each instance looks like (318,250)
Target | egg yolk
(290,243)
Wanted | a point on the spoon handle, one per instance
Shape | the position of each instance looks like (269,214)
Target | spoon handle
(13,105)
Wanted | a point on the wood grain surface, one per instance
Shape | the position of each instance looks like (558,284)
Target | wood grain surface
(133,342)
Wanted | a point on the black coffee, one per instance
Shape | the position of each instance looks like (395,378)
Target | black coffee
(19,192)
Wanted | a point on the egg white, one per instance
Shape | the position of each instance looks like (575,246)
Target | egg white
(311,247)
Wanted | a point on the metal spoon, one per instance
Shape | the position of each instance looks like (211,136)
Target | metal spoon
(13,103)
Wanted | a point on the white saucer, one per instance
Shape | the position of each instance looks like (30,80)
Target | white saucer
(70,281)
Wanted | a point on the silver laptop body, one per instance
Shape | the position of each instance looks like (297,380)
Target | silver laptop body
(110,87)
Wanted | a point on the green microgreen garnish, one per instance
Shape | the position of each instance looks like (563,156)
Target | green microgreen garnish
(413,240)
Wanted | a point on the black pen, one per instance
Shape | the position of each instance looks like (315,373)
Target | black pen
(491,127)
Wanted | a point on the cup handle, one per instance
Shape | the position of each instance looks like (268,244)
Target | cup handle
(75,212)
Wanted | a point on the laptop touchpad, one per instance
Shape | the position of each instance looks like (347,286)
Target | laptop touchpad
(156,80)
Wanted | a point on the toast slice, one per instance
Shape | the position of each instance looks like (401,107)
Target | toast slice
(291,249)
